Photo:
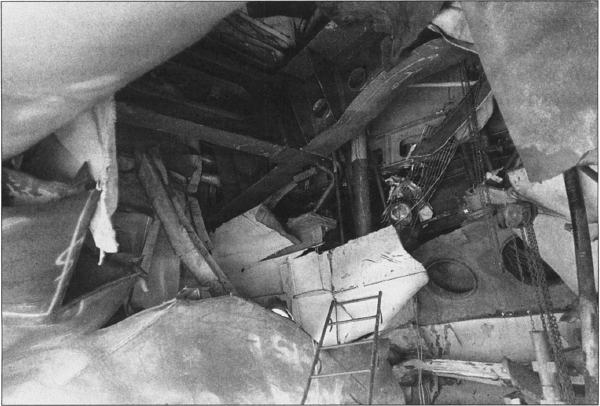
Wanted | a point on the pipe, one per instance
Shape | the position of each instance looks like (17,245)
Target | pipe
(338,196)
(464,157)
(328,190)
(589,172)
(211,179)
(511,160)
(194,256)
(548,380)
(485,145)
(348,174)
(362,197)
(588,301)
(443,84)
(380,188)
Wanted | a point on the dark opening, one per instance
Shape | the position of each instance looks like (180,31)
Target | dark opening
(320,108)
(405,147)
(515,256)
(451,278)
(88,276)
(357,78)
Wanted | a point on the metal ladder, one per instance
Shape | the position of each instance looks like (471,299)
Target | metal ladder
(328,323)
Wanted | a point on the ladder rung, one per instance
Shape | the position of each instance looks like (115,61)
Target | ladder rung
(356,300)
(333,323)
(329,347)
(360,371)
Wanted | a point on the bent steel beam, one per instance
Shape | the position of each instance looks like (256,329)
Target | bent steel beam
(142,118)
(432,57)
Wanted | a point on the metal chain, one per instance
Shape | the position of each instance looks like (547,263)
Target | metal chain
(534,277)
(486,203)
(522,275)
(548,319)
(531,248)
(518,258)
(531,320)
(477,148)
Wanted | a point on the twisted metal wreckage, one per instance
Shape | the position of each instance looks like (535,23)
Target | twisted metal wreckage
(174,171)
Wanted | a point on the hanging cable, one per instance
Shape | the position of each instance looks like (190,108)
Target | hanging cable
(477,149)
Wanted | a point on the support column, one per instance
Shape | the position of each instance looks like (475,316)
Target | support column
(360,187)
(588,302)
(547,374)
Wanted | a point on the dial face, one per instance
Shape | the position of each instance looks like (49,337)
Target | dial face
(400,213)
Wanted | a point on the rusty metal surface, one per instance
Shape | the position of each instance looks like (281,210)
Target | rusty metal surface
(541,60)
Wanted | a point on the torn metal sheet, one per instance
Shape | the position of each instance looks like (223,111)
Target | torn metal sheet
(551,195)
(245,240)
(309,282)
(261,281)
(103,46)
(558,248)
(541,60)
(360,268)
(80,316)
(483,340)
(91,138)
(42,244)
(257,270)
(452,22)
(40,255)
(216,351)
(311,227)
(101,225)
(20,188)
